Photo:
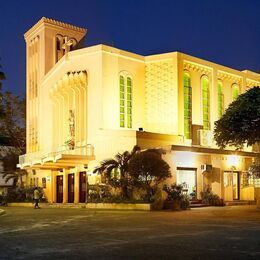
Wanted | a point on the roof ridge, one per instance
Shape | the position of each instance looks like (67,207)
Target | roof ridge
(59,23)
(56,23)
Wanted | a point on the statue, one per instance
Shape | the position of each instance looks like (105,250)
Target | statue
(72,128)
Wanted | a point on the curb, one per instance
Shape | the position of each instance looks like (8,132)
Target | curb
(2,212)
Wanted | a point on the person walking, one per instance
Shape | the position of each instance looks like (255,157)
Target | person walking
(36,197)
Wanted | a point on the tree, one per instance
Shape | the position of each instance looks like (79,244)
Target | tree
(12,133)
(12,123)
(9,169)
(240,124)
(148,167)
(2,77)
(115,170)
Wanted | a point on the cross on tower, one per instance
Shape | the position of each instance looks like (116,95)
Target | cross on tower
(67,43)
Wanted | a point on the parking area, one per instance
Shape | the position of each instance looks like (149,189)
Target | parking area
(204,233)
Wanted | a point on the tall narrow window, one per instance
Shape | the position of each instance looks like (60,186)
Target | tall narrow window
(129,102)
(187,105)
(122,101)
(205,103)
(220,99)
(126,86)
(235,92)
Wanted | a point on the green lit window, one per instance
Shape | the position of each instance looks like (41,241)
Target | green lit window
(235,92)
(122,101)
(187,105)
(125,101)
(220,99)
(205,103)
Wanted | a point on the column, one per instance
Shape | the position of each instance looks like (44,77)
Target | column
(76,186)
(65,185)
(53,186)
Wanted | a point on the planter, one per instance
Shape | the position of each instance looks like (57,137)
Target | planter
(119,206)
(258,203)
(26,204)
(173,205)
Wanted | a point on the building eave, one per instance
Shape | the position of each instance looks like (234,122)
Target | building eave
(208,150)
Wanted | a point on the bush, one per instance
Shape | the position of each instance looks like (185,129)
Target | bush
(97,193)
(185,201)
(104,194)
(24,194)
(158,199)
(3,200)
(175,197)
(208,197)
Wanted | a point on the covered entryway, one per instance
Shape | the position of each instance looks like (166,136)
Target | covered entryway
(59,189)
(82,187)
(71,188)
(231,185)
(187,177)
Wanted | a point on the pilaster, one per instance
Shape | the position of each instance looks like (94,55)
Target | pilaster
(65,185)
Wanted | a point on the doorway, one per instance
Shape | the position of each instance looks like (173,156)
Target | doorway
(71,188)
(82,187)
(59,189)
(188,179)
(232,185)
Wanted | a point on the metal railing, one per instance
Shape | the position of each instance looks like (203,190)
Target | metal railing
(29,158)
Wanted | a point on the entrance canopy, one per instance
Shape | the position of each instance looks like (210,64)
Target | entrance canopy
(56,160)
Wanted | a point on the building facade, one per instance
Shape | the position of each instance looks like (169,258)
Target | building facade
(86,104)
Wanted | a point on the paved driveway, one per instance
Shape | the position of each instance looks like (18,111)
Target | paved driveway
(206,233)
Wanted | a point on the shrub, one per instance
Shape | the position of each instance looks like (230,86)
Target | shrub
(176,197)
(23,194)
(158,199)
(106,194)
(97,193)
(208,197)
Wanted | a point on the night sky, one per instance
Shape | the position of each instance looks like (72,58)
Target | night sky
(223,31)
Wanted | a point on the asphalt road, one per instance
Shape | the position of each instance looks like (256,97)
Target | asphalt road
(206,233)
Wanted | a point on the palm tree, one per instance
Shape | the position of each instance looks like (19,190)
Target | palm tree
(110,167)
(9,170)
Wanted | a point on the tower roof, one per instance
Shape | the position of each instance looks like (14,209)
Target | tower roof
(52,22)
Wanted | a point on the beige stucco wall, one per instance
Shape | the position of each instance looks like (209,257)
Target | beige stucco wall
(247,193)
(214,178)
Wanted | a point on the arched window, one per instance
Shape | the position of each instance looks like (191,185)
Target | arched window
(205,102)
(125,88)
(59,51)
(235,92)
(220,99)
(187,105)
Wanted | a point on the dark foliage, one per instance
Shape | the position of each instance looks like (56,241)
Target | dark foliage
(12,123)
(9,169)
(175,197)
(208,197)
(22,195)
(148,168)
(115,171)
(240,124)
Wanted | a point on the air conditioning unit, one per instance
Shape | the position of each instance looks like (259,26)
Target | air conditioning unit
(206,167)
(206,138)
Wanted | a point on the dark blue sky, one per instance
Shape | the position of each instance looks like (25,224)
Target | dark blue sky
(223,31)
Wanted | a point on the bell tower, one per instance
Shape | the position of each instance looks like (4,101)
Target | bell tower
(46,43)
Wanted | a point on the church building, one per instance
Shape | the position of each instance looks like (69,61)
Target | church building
(85,104)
